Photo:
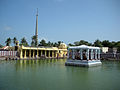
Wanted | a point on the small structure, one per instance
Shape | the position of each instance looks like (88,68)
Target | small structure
(83,56)
(104,49)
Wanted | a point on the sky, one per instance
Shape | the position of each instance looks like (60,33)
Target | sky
(60,20)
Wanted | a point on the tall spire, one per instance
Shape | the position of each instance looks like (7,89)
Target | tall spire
(36,31)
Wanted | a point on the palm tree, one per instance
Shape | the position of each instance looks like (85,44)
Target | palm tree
(24,42)
(8,41)
(14,40)
(33,43)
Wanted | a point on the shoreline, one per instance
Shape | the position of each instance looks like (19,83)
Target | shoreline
(17,58)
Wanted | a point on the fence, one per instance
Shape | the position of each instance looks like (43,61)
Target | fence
(8,53)
(110,55)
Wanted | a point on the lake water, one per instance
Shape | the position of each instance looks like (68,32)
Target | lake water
(54,75)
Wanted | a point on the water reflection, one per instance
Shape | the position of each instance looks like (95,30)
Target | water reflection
(24,64)
(110,65)
(52,74)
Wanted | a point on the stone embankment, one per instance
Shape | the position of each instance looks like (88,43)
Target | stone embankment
(110,56)
(9,58)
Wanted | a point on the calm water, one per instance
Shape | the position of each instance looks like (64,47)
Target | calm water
(54,75)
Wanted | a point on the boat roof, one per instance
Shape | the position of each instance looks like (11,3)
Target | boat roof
(83,47)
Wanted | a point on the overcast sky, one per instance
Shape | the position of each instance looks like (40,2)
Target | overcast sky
(64,20)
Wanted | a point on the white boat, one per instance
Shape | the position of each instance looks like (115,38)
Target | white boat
(83,56)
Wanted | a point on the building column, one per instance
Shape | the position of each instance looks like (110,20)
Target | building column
(96,54)
(33,54)
(68,53)
(29,53)
(87,54)
(73,54)
(91,54)
(25,54)
(21,53)
(81,54)
(99,54)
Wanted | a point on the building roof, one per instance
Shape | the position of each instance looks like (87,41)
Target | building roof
(83,47)
(5,47)
(42,48)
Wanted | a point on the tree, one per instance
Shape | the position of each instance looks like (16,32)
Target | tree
(98,43)
(8,41)
(24,42)
(50,44)
(106,43)
(77,43)
(1,46)
(55,44)
(118,46)
(42,43)
(70,44)
(82,42)
(33,43)
(14,40)
(59,42)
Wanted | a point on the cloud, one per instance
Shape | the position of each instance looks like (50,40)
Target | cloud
(7,28)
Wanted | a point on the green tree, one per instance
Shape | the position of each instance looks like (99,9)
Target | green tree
(33,43)
(83,42)
(77,43)
(14,40)
(24,42)
(118,46)
(8,41)
(50,44)
(106,43)
(42,43)
(98,43)
(1,46)
(112,44)
(59,42)
(55,44)
(70,44)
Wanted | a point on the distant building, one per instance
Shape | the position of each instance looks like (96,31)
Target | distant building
(44,52)
(104,49)
(112,50)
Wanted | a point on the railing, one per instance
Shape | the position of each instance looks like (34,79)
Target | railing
(8,53)
(110,55)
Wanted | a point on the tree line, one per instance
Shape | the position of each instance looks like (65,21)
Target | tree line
(97,43)
(24,42)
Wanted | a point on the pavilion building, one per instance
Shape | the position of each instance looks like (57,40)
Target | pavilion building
(43,52)
(83,56)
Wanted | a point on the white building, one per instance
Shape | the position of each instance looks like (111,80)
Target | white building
(83,56)
(104,49)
